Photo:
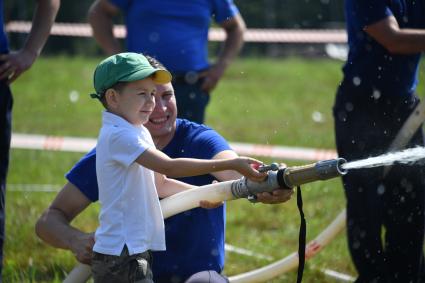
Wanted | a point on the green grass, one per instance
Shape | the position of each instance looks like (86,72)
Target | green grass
(259,101)
(269,101)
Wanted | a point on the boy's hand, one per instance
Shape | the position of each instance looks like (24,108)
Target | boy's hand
(248,167)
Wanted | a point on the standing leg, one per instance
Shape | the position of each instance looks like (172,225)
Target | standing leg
(191,101)
(6,103)
(405,220)
(358,135)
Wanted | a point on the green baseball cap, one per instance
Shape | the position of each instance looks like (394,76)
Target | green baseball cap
(125,67)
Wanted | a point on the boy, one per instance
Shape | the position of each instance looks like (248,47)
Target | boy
(131,222)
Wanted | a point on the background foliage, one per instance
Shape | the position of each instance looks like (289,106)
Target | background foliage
(285,14)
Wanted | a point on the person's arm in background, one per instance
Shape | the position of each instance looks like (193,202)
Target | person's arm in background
(15,63)
(396,40)
(276,196)
(54,225)
(100,17)
(234,29)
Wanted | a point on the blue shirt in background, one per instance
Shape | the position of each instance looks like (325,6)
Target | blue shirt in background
(173,31)
(369,62)
(4,45)
(194,238)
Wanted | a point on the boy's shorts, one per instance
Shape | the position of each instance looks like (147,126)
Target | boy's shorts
(123,268)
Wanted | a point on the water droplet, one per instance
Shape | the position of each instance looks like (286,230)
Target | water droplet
(381,189)
(317,117)
(74,96)
(342,116)
(406,184)
(191,77)
(192,95)
(357,81)
(349,106)
(214,252)
(376,94)
(154,37)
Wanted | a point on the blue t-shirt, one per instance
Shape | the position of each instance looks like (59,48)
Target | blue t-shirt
(173,31)
(369,63)
(4,45)
(194,238)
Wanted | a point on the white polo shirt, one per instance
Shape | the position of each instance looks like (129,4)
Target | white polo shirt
(130,210)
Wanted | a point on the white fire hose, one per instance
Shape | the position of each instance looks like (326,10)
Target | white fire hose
(409,128)
(230,190)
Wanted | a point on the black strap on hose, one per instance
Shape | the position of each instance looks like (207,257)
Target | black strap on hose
(303,229)
(302,237)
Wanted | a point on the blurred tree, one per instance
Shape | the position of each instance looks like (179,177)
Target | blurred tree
(291,13)
(257,14)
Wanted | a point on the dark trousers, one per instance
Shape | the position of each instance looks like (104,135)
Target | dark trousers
(6,102)
(191,100)
(125,268)
(365,126)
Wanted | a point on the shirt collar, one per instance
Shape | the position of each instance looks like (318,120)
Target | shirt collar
(112,119)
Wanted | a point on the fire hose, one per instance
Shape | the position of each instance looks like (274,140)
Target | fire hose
(243,188)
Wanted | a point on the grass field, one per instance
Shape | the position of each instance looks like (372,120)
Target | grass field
(268,101)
